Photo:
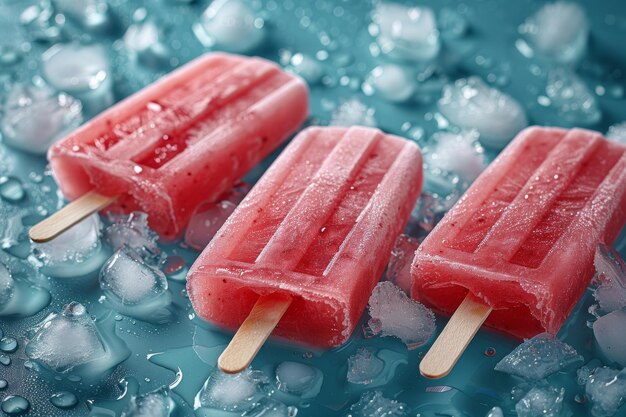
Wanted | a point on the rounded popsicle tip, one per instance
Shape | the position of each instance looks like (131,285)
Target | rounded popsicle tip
(232,365)
(431,370)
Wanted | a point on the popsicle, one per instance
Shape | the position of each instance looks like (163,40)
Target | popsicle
(518,247)
(313,236)
(183,140)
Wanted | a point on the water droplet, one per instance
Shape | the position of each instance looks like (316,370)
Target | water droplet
(580,398)
(173,264)
(8,344)
(11,189)
(64,399)
(490,351)
(15,405)
(5,360)
(3,384)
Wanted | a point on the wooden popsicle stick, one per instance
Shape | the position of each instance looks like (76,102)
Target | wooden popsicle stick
(458,333)
(253,332)
(68,216)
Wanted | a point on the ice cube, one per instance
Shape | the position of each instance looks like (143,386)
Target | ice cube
(231,392)
(132,230)
(364,366)
(35,117)
(75,244)
(393,313)
(144,40)
(66,340)
(299,380)
(307,67)
(353,112)
(539,357)
(92,15)
(374,404)
(7,286)
(390,82)
(558,31)
(81,70)
(495,412)
(471,104)
(153,404)
(455,154)
(230,25)
(605,387)
(610,334)
(541,402)
(128,280)
(405,32)
(399,267)
(39,21)
(575,104)
(617,132)
(268,407)
(206,220)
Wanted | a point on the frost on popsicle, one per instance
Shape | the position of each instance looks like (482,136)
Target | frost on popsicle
(157,403)
(538,358)
(471,104)
(393,313)
(231,392)
(558,31)
(230,25)
(541,402)
(374,404)
(605,387)
(34,117)
(135,288)
(72,343)
(404,32)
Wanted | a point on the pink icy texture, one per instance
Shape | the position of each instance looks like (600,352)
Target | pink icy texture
(523,237)
(319,226)
(183,140)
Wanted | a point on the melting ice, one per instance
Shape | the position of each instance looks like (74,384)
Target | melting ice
(374,404)
(609,332)
(299,381)
(153,404)
(353,112)
(231,392)
(541,402)
(132,230)
(393,313)
(611,270)
(605,387)
(575,104)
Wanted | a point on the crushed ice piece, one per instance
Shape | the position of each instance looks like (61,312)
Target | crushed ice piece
(404,32)
(157,403)
(617,132)
(610,335)
(452,24)
(127,279)
(455,154)
(430,208)
(299,380)
(605,387)
(541,402)
(353,112)
(611,272)
(364,366)
(230,25)
(231,392)
(20,296)
(132,230)
(144,40)
(82,71)
(399,266)
(471,104)
(76,244)
(374,404)
(558,31)
(66,340)
(11,189)
(574,102)
(539,357)
(495,412)
(206,220)
(393,313)
(307,67)
(33,118)
(392,82)
(40,23)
